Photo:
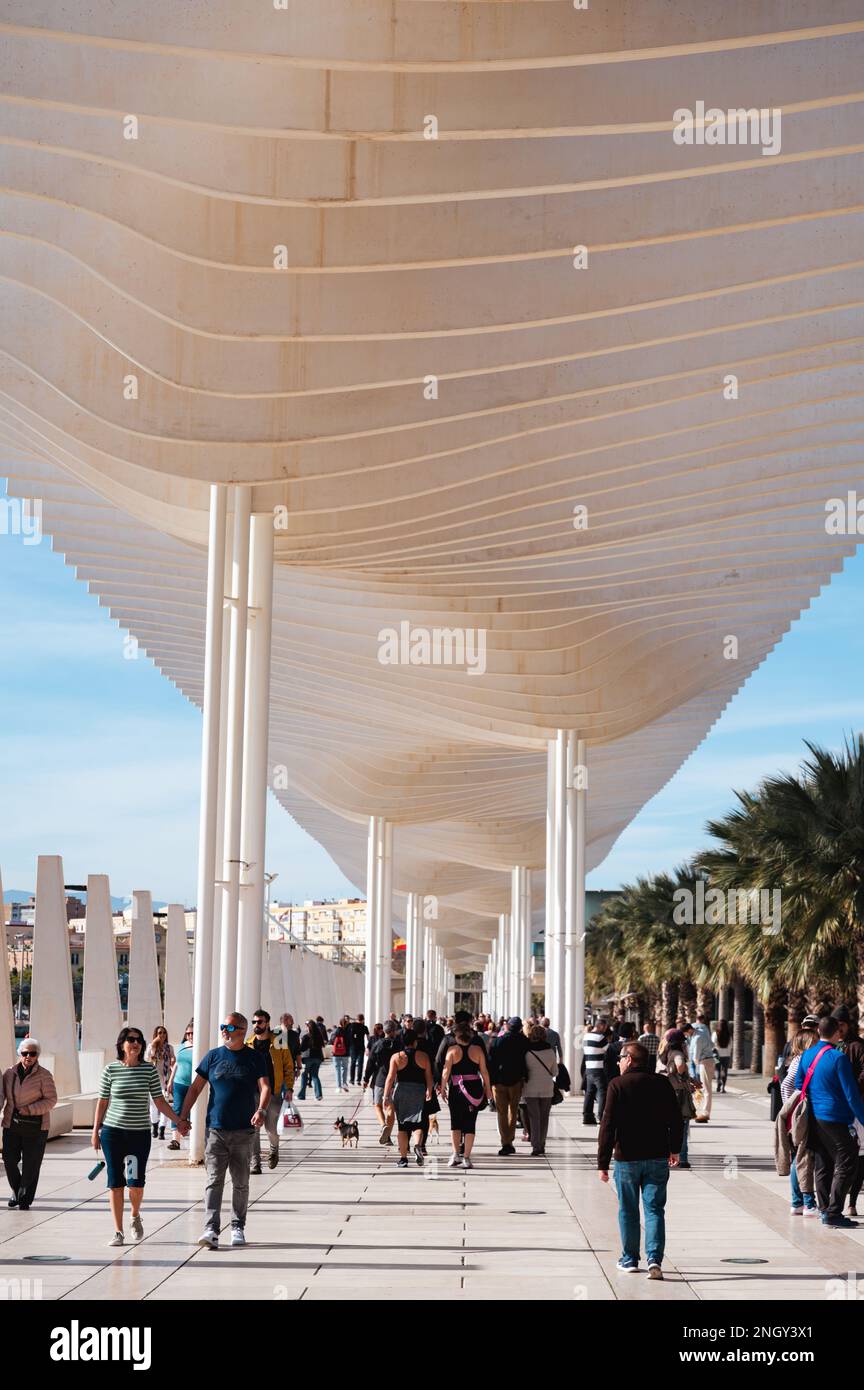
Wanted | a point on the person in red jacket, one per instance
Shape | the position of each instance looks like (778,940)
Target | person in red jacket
(643,1127)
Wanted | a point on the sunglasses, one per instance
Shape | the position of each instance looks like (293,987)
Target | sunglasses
(139,1042)
(28,1054)
(228,1028)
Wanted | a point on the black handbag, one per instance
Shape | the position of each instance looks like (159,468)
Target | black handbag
(562,1081)
(557,1095)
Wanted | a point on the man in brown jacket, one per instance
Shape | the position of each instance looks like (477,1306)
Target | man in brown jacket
(29,1095)
(642,1124)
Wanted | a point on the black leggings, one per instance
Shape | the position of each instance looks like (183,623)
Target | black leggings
(722,1072)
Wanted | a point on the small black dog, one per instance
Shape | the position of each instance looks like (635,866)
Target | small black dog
(349,1131)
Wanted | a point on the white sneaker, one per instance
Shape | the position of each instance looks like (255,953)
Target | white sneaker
(453,1161)
(137,1228)
(466,1163)
(117,1238)
(209,1240)
(238,1235)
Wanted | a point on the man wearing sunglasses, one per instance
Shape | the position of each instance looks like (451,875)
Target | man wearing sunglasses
(239,1097)
(280,1074)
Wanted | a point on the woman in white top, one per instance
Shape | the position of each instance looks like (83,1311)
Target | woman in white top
(541,1064)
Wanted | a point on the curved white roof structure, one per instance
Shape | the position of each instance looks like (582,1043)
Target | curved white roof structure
(386,335)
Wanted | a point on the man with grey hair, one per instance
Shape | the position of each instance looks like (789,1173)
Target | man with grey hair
(29,1096)
(239,1097)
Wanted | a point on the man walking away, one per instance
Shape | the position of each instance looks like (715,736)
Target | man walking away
(553,1039)
(280,1074)
(650,1040)
(357,1035)
(643,1127)
(507,1073)
(626,1033)
(594,1049)
(835,1102)
(702,1057)
(239,1097)
(434,1031)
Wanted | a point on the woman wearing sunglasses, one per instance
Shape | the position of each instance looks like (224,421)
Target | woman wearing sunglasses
(181,1076)
(122,1125)
(30,1095)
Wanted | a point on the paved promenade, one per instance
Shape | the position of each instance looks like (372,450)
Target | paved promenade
(330,1224)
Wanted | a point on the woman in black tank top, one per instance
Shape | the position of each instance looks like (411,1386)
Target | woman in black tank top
(466,1088)
(409,1083)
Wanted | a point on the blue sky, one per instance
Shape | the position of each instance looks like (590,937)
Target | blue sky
(100,756)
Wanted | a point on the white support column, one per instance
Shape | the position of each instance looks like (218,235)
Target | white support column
(236,694)
(574,999)
(52,1004)
(371,993)
(419,937)
(385,919)
(204,991)
(492,982)
(555,1005)
(580,923)
(517,933)
(411,1003)
(7,1017)
(215,1036)
(101,1015)
(525,1007)
(255,763)
(144,1009)
(178,984)
(551,845)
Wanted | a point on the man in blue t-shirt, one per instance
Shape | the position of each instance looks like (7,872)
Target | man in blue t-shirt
(239,1096)
(835,1101)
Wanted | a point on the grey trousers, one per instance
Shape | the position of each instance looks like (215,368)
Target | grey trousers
(539,1110)
(271,1124)
(227,1149)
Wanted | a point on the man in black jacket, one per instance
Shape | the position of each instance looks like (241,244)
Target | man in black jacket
(434,1031)
(642,1124)
(377,1067)
(507,1072)
(357,1035)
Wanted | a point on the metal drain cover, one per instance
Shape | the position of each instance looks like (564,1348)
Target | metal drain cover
(519,1212)
(743,1260)
(44,1259)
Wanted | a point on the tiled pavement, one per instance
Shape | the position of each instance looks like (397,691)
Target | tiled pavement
(334,1223)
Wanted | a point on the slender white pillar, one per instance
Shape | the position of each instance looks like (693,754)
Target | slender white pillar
(214,1036)
(101,1015)
(551,845)
(145,1001)
(556,1011)
(568,1021)
(419,933)
(517,934)
(371,994)
(204,991)
(253,831)
(525,1004)
(385,911)
(492,982)
(7,1018)
(580,923)
(52,1006)
(178,984)
(410,955)
(236,694)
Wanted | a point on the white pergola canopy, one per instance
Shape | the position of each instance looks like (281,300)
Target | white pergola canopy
(385,335)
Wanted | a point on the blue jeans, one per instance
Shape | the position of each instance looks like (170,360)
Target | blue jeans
(341,1067)
(177,1099)
(799,1198)
(685,1143)
(310,1076)
(650,1176)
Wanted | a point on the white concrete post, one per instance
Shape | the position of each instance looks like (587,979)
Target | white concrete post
(385,938)
(7,1016)
(214,1037)
(205,990)
(517,933)
(144,1009)
(101,1015)
(551,845)
(410,954)
(525,1008)
(370,994)
(556,1011)
(580,923)
(236,695)
(178,984)
(52,1003)
(255,763)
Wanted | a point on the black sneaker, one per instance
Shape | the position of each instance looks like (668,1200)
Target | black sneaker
(588,1120)
(401,1163)
(256,1171)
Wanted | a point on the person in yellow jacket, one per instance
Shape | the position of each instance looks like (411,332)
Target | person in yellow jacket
(280,1070)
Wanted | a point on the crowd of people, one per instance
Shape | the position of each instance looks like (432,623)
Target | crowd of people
(643,1091)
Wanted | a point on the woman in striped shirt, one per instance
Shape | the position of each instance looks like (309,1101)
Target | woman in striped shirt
(122,1125)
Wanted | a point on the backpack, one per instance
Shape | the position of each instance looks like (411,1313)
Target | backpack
(339,1048)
